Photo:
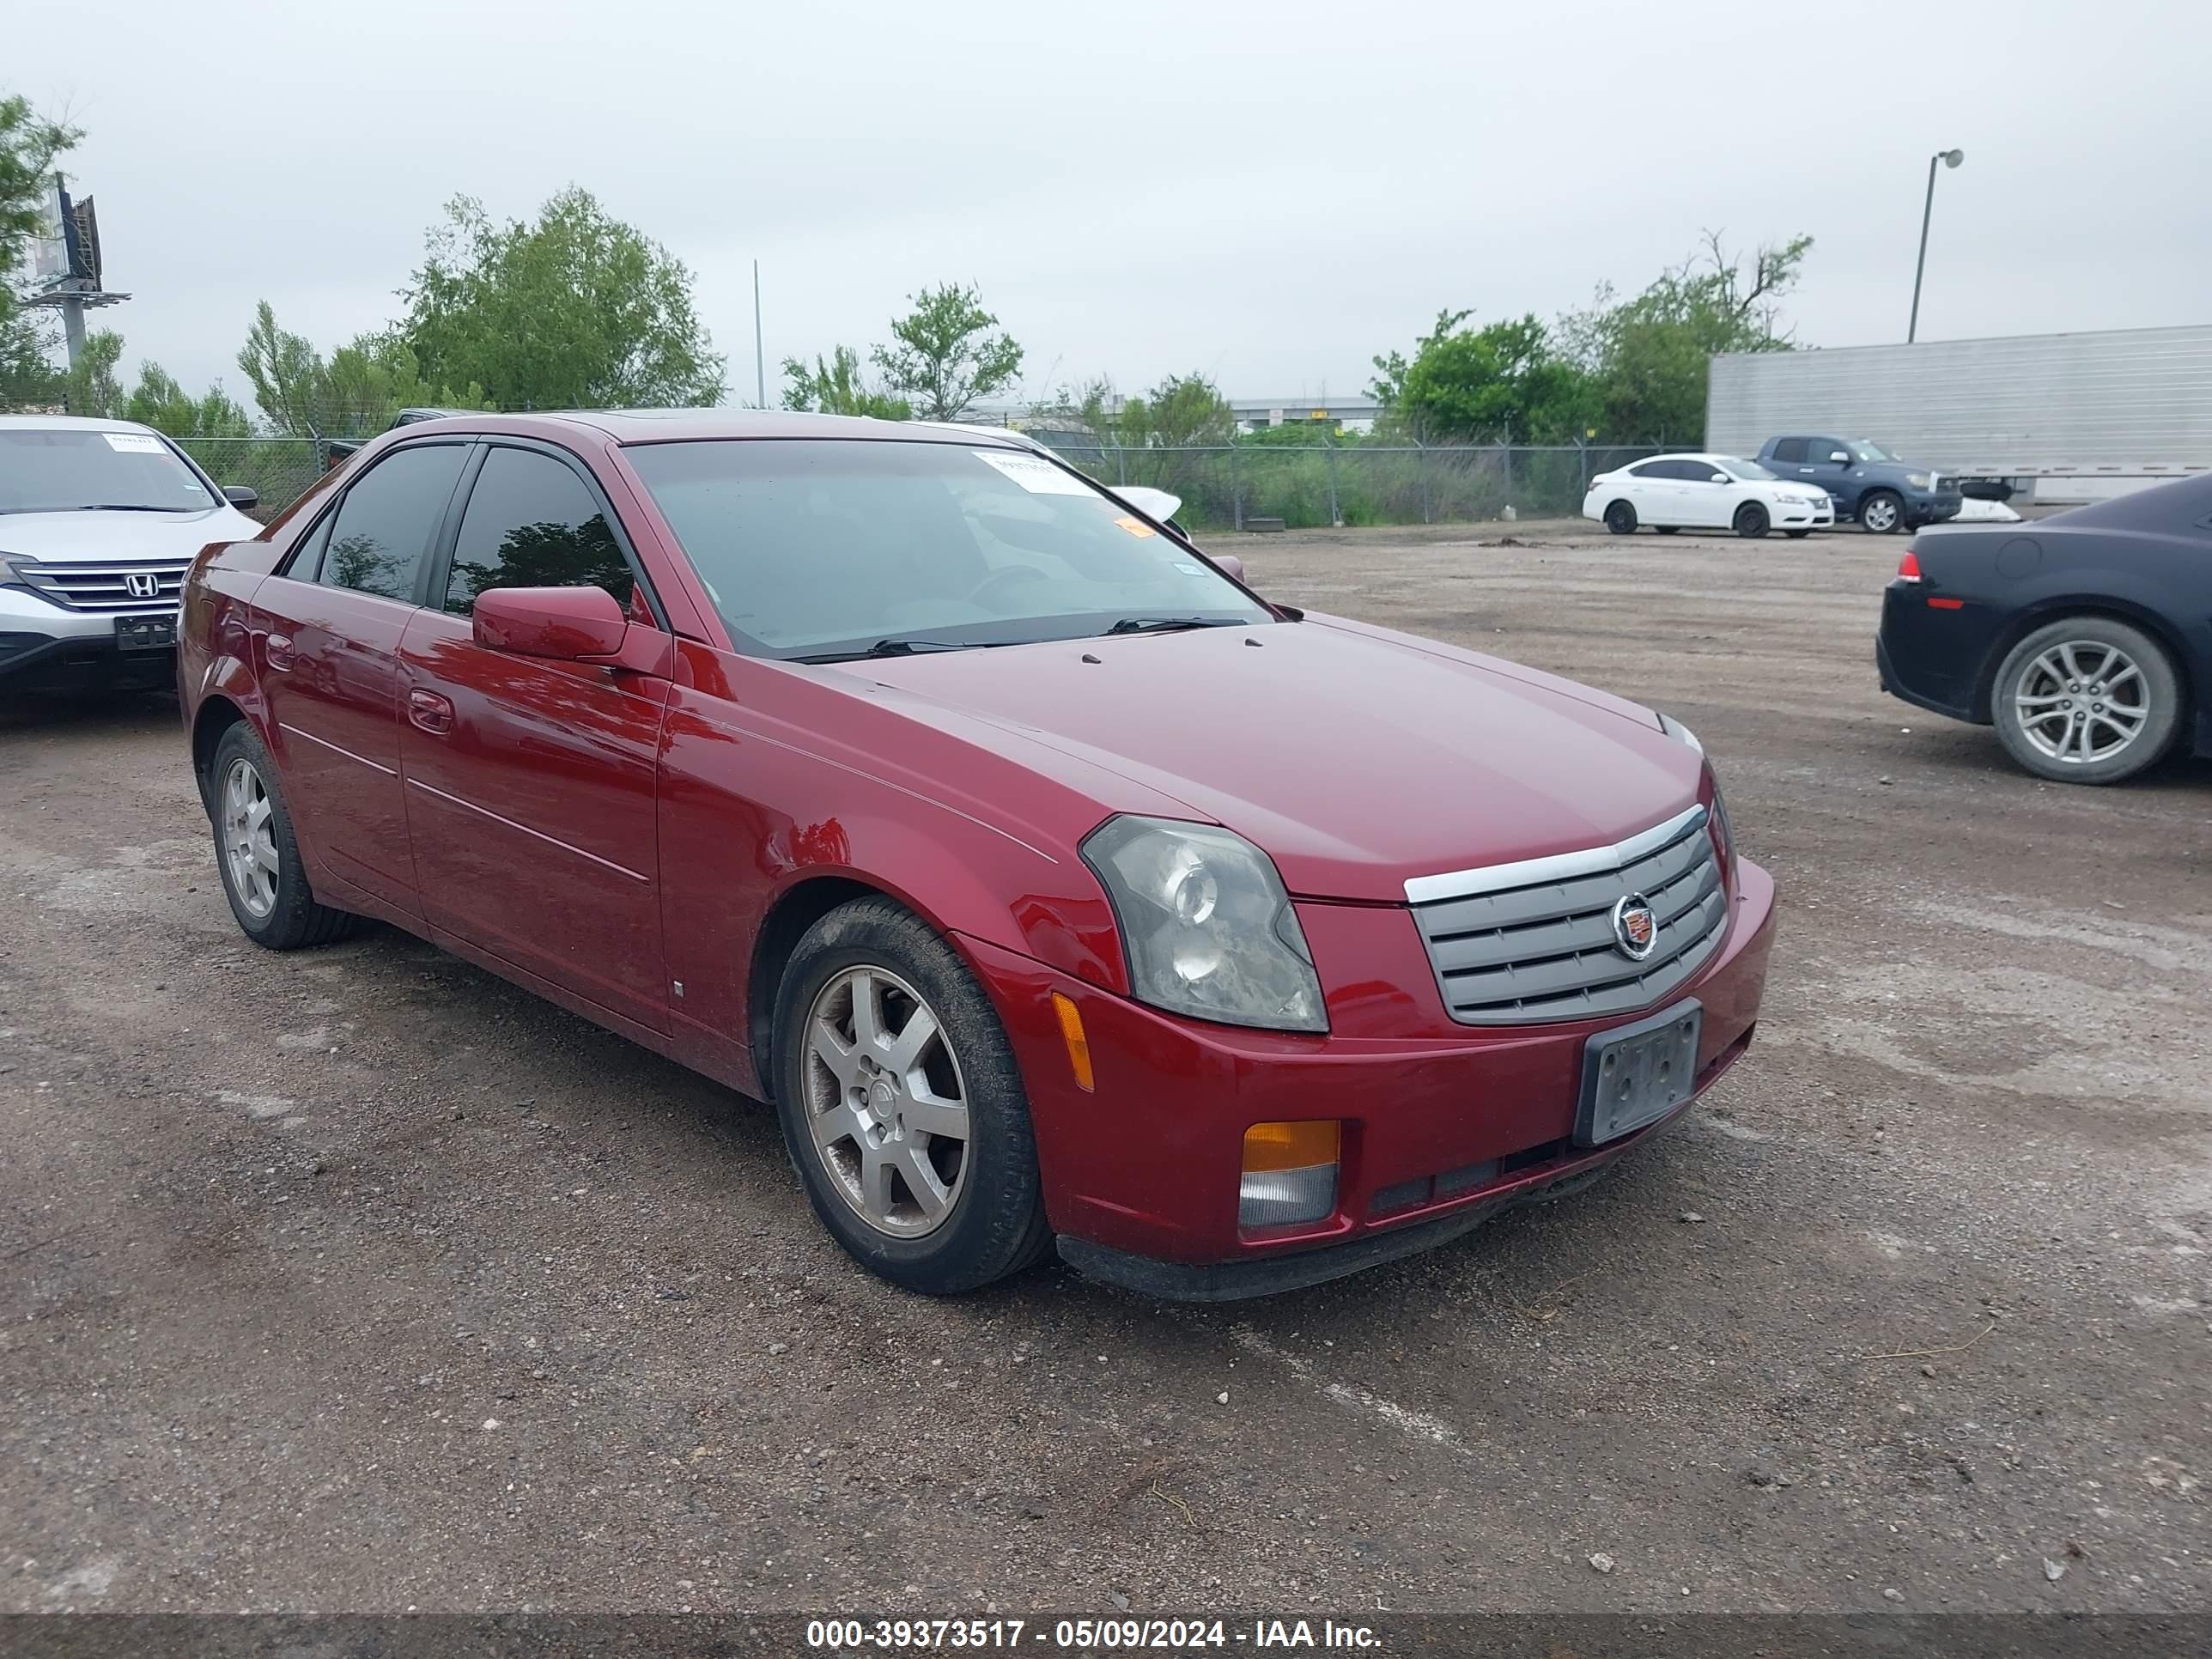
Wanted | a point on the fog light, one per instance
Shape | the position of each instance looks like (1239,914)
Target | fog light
(1290,1173)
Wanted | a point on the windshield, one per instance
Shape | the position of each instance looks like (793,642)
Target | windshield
(827,547)
(1749,471)
(63,469)
(1869,451)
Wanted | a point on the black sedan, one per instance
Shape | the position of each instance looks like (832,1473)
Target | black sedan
(2085,638)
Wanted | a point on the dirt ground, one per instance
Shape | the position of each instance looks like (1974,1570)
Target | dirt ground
(357,1279)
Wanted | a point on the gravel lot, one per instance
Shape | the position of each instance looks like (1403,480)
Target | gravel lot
(357,1279)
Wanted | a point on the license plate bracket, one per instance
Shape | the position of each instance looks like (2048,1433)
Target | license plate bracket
(145,633)
(1635,1075)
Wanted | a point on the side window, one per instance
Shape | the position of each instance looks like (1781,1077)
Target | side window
(1791,450)
(1695,472)
(383,528)
(309,559)
(531,522)
(1820,449)
(1650,470)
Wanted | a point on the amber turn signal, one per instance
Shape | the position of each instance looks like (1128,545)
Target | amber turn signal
(1269,1147)
(1078,1046)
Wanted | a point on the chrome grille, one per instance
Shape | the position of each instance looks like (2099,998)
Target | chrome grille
(106,586)
(1515,944)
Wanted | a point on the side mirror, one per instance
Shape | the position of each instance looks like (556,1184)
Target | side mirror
(241,495)
(567,624)
(1839,457)
(1721,477)
(1230,565)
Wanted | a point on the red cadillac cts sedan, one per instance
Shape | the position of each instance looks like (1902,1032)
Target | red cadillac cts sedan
(1053,885)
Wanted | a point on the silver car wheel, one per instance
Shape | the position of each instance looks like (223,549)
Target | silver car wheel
(886,1108)
(2082,701)
(249,839)
(1879,515)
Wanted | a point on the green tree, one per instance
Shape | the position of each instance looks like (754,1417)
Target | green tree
(1648,356)
(945,358)
(159,402)
(29,146)
(1182,411)
(1504,382)
(356,393)
(576,310)
(835,387)
(92,387)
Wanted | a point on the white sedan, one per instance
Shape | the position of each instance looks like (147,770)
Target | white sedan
(1706,492)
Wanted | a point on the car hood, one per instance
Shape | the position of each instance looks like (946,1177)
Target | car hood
(1356,756)
(89,538)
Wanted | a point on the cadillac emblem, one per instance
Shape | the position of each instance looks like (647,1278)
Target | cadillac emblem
(1634,929)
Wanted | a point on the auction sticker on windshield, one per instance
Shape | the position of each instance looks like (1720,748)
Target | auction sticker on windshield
(1039,477)
(134,443)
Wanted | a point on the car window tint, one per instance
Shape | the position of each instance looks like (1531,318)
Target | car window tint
(1789,449)
(531,522)
(308,560)
(384,527)
(1650,470)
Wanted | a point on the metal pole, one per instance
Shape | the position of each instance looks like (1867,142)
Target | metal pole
(1335,517)
(73,331)
(1927,209)
(760,359)
(1235,491)
(1421,462)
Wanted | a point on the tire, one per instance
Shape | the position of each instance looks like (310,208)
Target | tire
(2059,713)
(276,909)
(1753,521)
(1665,529)
(1796,535)
(1881,512)
(938,1212)
(1620,519)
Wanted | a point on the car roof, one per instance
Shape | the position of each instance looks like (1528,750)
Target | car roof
(68,423)
(651,425)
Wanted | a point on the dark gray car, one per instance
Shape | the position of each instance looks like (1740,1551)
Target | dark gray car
(1867,482)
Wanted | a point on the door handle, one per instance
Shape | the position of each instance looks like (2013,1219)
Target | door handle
(433,712)
(277,648)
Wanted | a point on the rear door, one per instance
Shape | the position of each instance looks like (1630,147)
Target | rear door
(531,783)
(327,631)
(1656,492)
(1832,476)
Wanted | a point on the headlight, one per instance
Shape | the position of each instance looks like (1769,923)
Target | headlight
(1205,924)
(1723,832)
(1681,733)
(1919,480)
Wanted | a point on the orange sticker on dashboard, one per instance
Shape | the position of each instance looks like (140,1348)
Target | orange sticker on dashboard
(1135,526)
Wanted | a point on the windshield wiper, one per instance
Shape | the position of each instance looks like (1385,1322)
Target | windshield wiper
(114,506)
(892,647)
(1163,624)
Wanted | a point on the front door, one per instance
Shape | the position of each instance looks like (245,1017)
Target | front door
(327,635)
(530,783)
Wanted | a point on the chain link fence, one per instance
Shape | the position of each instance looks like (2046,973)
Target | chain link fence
(1230,486)
(279,470)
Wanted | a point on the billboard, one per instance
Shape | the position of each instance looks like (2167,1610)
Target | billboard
(65,248)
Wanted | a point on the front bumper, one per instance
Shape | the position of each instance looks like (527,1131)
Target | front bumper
(44,647)
(1932,507)
(1817,515)
(1439,1131)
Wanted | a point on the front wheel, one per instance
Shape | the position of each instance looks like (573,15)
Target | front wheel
(257,854)
(2088,700)
(1620,519)
(1752,522)
(902,1104)
(1882,513)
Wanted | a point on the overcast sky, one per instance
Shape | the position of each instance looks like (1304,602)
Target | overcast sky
(1267,193)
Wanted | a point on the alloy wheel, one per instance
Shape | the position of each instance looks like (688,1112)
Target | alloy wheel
(1879,515)
(2082,701)
(886,1108)
(249,839)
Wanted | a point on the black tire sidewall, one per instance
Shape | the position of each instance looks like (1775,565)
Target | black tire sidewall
(997,1222)
(292,919)
(1753,521)
(2163,681)
(1621,511)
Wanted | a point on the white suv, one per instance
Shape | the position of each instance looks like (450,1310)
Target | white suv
(98,521)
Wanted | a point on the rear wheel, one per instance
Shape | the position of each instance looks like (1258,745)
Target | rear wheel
(257,854)
(1620,519)
(902,1104)
(1882,513)
(1752,522)
(2088,700)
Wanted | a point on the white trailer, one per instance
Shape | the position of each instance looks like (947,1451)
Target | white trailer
(2059,416)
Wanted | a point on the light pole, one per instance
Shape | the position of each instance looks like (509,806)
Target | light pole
(1949,158)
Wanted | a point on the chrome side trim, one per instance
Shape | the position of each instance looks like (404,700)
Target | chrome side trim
(282,725)
(536,835)
(1559,866)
